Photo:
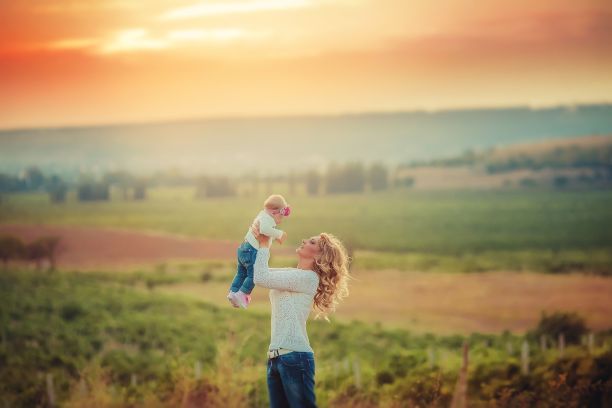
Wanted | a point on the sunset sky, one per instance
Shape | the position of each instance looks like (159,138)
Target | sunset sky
(108,61)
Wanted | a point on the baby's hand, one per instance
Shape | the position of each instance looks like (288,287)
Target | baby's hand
(282,238)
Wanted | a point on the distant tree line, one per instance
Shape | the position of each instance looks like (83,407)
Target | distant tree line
(598,158)
(350,177)
(558,158)
(215,187)
(41,249)
(88,187)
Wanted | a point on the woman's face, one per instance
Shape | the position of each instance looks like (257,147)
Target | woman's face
(309,247)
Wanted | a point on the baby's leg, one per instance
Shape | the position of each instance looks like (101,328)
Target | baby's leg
(241,275)
(249,284)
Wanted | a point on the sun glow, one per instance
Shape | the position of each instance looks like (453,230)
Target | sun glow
(212,9)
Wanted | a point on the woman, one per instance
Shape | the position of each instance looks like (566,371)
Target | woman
(319,281)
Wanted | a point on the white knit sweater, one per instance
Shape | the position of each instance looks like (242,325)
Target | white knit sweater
(291,294)
(267,226)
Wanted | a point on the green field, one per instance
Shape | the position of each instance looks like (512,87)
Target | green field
(106,343)
(552,231)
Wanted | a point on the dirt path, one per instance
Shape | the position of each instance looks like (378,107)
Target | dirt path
(91,247)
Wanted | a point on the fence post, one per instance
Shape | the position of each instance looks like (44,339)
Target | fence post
(347,366)
(82,388)
(357,373)
(542,342)
(198,370)
(460,394)
(443,357)
(591,342)
(561,344)
(509,348)
(336,373)
(431,357)
(50,390)
(525,358)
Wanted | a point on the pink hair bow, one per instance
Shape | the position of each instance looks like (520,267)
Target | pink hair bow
(285,211)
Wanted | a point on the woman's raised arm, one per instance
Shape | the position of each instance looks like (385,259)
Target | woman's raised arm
(294,280)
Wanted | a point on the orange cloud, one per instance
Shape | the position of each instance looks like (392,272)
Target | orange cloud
(59,67)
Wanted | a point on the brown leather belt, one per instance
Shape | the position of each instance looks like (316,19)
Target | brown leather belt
(277,352)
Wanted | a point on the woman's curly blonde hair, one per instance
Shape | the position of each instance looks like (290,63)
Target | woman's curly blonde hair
(333,270)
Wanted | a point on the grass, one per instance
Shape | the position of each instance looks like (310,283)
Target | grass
(107,344)
(441,303)
(551,231)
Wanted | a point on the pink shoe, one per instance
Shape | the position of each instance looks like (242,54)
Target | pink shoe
(231,296)
(242,299)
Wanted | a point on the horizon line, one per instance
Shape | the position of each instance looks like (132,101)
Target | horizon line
(226,117)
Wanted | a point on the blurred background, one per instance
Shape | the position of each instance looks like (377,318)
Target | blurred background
(462,152)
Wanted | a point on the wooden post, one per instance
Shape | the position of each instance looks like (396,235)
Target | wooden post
(561,344)
(431,357)
(357,373)
(50,390)
(443,357)
(525,358)
(542,342)
(460,394)
(509,348)
(82,388)
(347,366)
(336,372)
(198,370)
(591,342)
(133,380)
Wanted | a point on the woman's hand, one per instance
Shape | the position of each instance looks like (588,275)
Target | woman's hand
(264,240)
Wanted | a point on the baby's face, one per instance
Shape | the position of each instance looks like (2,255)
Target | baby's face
(278,218)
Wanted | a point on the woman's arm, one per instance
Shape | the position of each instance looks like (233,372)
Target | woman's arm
(294,280)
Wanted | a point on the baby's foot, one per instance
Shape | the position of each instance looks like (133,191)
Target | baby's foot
(242,299)
(231,296)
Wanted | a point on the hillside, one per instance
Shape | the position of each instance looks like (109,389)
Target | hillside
(584,161)
(225,146)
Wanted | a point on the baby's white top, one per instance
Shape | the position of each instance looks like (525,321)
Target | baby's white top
(292,292)
(266,226)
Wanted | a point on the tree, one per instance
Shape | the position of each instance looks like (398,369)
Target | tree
(140,189)
(215,187)
(44,248)
(348,178)
(57,189)
(90,191)
(571,325)
(10,248)
(378,177)
(33,177)
(121,179)
(313,182)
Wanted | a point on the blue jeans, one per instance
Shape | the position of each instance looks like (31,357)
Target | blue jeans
(291,380)
(243,280)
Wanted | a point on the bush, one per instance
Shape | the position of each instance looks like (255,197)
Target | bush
(571,325)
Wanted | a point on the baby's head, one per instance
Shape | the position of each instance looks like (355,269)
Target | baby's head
(277,207)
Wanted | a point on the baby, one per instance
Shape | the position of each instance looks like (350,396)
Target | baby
(275,209)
